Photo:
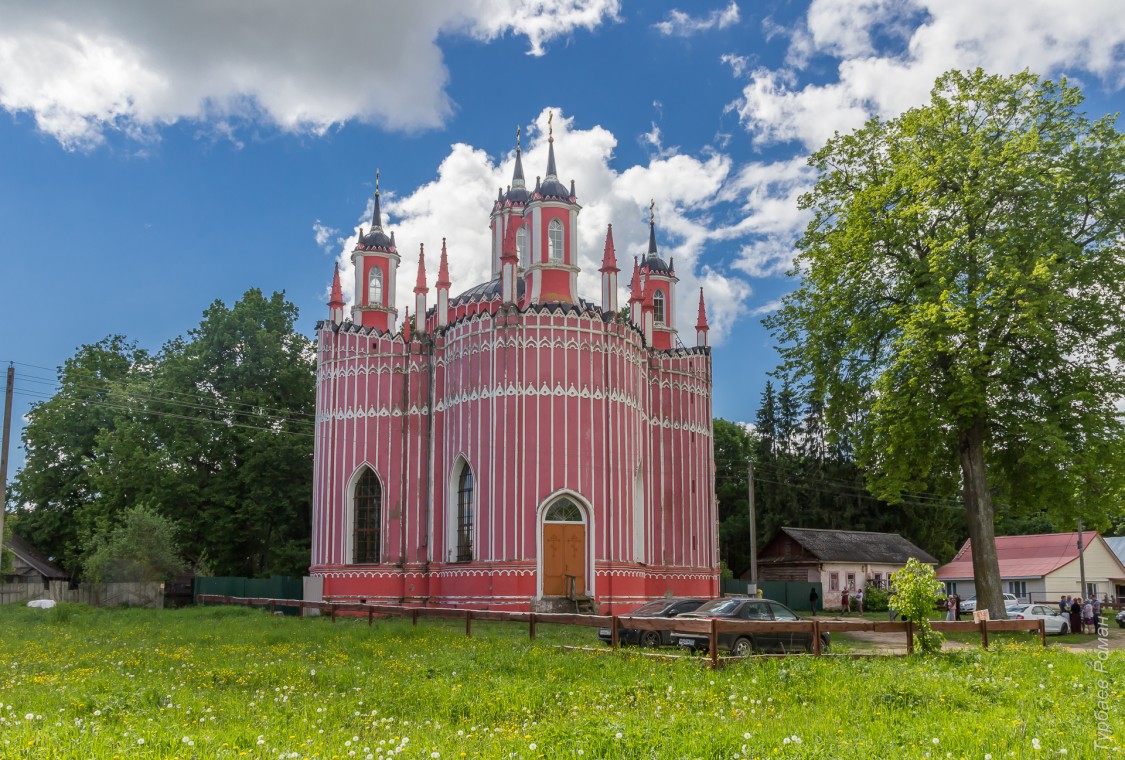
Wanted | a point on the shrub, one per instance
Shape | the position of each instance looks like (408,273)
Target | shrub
(915,586)
(140,547)
(875,599)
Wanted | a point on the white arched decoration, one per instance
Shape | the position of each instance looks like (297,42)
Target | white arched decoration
(555,240)
(586,514)
(375,286)
(347,528)
(658,312)
(453,506)
(523,250)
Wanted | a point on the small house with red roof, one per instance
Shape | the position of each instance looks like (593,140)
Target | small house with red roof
(1043,567)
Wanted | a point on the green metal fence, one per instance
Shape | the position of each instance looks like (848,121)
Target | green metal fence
(275,587)
(793,594)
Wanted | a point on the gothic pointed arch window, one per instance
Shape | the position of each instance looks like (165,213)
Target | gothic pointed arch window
(658,307)
(466,492)
(555,240)
(375,287)
(523,250)
(367,511)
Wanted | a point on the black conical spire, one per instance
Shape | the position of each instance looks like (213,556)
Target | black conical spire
(517,175)
(376,238)
(652,262)
(551,172)
(376,216)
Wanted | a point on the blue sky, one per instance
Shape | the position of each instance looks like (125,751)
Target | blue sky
(154,160)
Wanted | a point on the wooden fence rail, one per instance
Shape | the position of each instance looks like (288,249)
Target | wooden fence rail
(616,623)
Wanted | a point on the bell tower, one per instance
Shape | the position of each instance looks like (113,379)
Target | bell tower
(376,262)
(552,214)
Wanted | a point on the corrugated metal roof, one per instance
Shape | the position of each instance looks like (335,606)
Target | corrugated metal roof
(29,554)
(1022,556)
(1117,546)
(858,546)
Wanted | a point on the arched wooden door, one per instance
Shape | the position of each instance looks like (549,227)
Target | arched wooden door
(564,550)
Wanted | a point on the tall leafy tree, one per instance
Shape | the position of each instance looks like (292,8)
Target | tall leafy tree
(733,451)
(959,314)
(215,432)
(56,497)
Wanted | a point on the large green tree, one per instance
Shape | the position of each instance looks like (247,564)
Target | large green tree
(215,432)
(57,500)
(959,312)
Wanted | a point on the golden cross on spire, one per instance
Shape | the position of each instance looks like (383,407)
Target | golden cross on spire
(651,211)
(550,127)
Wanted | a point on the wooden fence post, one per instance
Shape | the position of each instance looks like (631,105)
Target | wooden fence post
(273,607)
(984,633)
(468,622)
(333,608)
(1042,632)
(614,634)
(414,616)
(816,637)
(713,644)
(370,614)
(910,637)
(531,626)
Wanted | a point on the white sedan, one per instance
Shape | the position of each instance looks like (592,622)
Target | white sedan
(1054,621)
(970,605)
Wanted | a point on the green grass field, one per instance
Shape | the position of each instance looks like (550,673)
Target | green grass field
(230,682)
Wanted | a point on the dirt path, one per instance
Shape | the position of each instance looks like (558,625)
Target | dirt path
(895,643)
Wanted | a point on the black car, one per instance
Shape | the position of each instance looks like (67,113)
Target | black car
(742,644)
(668,607)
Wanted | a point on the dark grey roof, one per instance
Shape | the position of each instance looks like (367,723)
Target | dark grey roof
(857,546)
(652,261)
(551,188)
(377,238)
(30,555)
(486,291)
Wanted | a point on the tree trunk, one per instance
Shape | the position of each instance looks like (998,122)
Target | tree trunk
(982,528)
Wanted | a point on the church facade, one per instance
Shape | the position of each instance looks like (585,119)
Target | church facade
(515,446)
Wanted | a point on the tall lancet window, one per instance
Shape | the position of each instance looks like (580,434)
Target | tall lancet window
(375,287)
(368,513)
(658,307)
(465,515)
(523,250)
(555,240)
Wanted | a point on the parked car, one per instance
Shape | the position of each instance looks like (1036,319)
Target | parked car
(1053,620)
(661,608)
(1121,619)
(742,644)
(970,605)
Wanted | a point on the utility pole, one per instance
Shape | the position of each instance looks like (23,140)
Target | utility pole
(753,526)
(1081,559)
(4,450)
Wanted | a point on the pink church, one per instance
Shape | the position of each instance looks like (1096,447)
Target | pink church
(515,446)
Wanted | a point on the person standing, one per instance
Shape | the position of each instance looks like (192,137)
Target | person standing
(950,608)
(859,601)
(1088,617)
(1064,604)
(845,603)
(813,599)
(957,607)
(1075,615)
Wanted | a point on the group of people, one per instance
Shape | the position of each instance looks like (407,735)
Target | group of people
(953,607)
(846,601)
(1083,613)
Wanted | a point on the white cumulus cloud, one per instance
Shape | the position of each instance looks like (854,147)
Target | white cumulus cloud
(83,68)
(680,24)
